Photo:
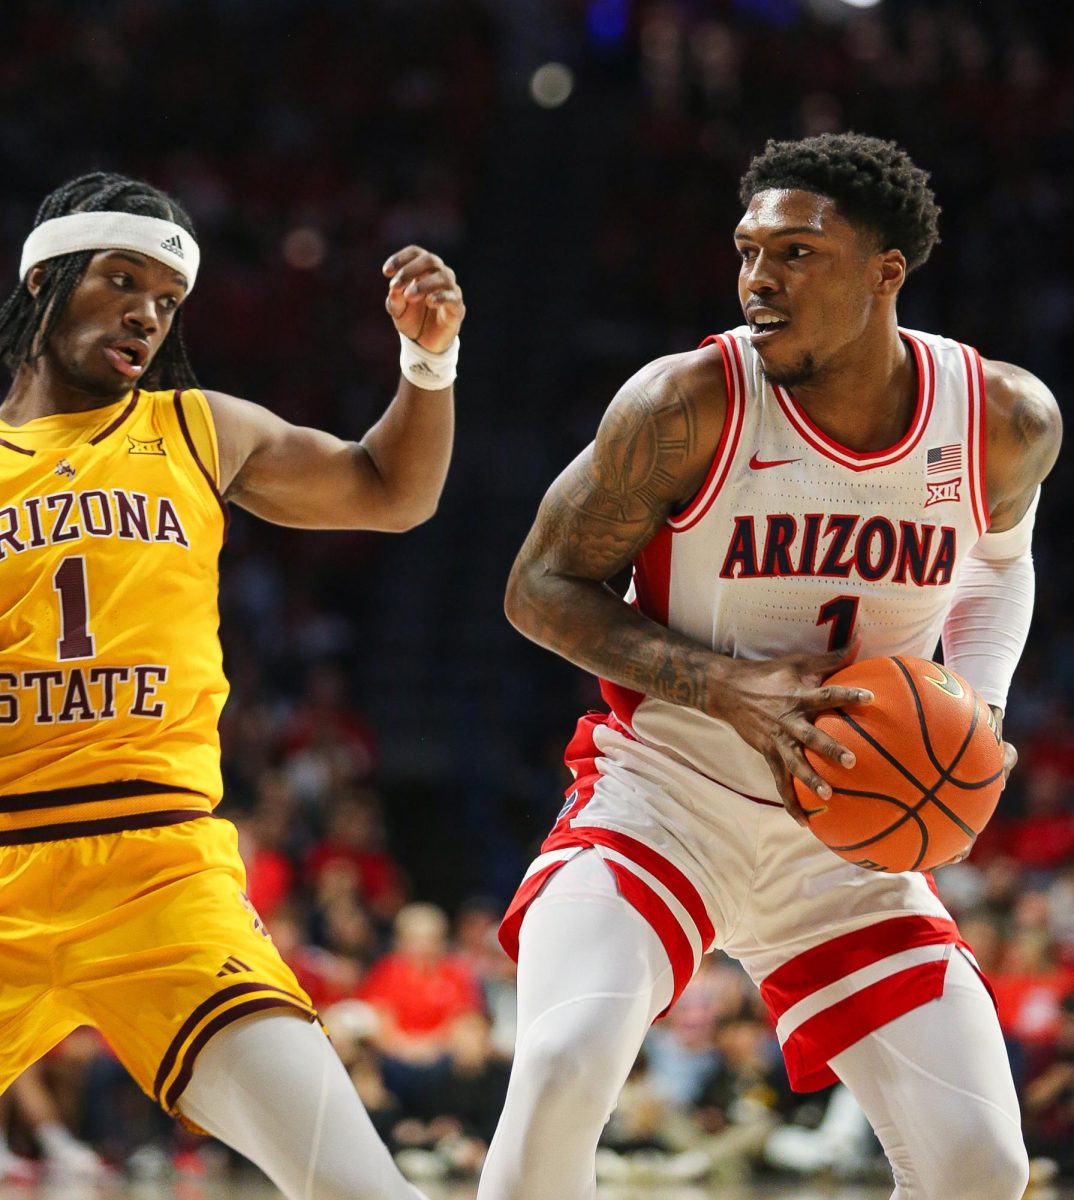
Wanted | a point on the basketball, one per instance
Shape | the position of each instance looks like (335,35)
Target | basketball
(929,767)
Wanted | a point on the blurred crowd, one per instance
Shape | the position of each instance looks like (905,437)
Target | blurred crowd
(390,746)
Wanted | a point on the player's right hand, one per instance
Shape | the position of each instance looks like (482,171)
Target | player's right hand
(772,706)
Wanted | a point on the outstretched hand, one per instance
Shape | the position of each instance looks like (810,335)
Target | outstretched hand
(424,298)
(774,704)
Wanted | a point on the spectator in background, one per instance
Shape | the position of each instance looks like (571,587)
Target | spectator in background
(1043,837)
(1048,1096)
(418,990)
(1029,986)
(352,857)
(64,1159)
(326,976)
(326,740)
(476,923)
(265,836)
(352,1025)
(681,1049)
(454,1116)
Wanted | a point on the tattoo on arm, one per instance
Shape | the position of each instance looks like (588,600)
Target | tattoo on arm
(597,516)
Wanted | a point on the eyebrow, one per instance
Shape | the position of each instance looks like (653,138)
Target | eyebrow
(787,230)
(139,261)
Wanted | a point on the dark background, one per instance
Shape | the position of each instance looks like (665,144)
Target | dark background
(309,140)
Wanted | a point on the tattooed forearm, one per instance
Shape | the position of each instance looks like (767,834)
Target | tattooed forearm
(649,457)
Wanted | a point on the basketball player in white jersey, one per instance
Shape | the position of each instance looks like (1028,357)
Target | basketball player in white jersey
(814,483)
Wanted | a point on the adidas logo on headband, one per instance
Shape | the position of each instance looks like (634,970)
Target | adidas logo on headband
(173,244)
(79,231)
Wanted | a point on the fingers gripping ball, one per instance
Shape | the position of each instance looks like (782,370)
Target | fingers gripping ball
(929,767)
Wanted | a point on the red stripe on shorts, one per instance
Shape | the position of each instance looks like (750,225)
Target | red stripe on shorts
(665,925)
(821,965)
(809,1049)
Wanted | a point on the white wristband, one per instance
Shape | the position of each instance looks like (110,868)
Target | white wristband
(425,369)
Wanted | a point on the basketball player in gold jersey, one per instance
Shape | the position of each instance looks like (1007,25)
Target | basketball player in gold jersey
(123,894)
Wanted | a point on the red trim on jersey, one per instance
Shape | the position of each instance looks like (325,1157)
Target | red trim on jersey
(582,753)
(99,437)
(654,908)
(986,512)
(637,893)
(18,449)
(821,965)
(975,439)
(652,576)
(727,446)
(809,1049)
(652,589)
(645,856)
(197,459)
(857,460)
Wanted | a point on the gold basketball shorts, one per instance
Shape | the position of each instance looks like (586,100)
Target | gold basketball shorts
(146,935)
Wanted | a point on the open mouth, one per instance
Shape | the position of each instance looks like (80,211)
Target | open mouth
(128,358)
(765,324)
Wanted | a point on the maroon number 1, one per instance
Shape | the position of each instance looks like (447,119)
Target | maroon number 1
(75,639)
(841,613)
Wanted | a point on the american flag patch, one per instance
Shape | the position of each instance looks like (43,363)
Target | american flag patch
(943,458)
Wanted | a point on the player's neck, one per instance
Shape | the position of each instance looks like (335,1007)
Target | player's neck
(37,391)
(866,400)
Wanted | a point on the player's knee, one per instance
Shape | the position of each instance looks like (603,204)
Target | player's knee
(568,1069)
(985,1165)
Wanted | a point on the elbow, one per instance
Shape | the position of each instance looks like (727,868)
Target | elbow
(518,604)
(403,519)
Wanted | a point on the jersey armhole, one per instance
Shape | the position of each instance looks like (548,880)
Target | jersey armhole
(194,418)
(727,446)
(202,431)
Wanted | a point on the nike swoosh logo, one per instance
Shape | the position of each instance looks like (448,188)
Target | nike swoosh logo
(759,464)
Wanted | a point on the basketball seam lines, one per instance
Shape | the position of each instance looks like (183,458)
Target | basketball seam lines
(928,742)
(928,793)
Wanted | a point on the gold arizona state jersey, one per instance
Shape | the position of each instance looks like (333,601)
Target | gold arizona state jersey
(111,682)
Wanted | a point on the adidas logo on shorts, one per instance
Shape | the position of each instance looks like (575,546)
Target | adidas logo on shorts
(232,966)
(173,244)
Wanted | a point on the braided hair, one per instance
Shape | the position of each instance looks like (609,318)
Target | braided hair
(27,321)
(873,183)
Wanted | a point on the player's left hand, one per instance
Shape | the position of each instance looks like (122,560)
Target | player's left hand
(1010,754)
(424,298)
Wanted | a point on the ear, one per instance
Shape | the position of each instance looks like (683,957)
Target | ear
(35,278)
(891,272)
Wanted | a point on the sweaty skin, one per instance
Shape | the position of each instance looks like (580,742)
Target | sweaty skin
(838,346)
(118,316)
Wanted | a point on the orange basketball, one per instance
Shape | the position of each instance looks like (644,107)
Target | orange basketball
(929,767)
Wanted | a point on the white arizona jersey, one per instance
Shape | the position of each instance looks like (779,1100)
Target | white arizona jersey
(796,543)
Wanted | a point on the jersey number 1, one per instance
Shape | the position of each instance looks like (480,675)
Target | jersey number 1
(841,615)
(75,639)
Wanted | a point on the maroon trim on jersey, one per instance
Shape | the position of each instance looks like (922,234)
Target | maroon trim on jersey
(99,437)
(857,460)
(727,447)
(18,449)
(87,794)
(73,829)
(186,1070)
(975,440)
(171,1055)
(197,459)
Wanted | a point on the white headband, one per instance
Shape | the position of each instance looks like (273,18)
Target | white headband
(166,242)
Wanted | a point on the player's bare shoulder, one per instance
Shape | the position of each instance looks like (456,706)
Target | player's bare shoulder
(1024,432)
